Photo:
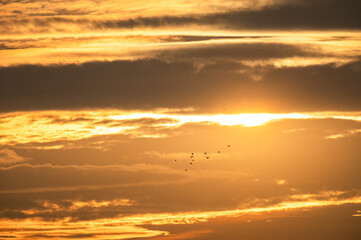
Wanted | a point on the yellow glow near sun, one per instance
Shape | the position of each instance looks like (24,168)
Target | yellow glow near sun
(247,119)
(281,182)
(255,119)
(50,126)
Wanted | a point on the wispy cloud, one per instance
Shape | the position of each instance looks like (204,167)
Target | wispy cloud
(228,14)
(271,48)
(44,177)
(55,126)
(342,135)
(8,157)
(180,119)
(129,226)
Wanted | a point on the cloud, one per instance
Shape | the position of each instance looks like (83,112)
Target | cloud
(320,15)
(102,128)
(239,51)
(147,84)
(87,17)
(8,157)
(102,149)
(71,41)
(330,14)
(47,176)
(274,49)
(297,225)
(346,134)
(181,222)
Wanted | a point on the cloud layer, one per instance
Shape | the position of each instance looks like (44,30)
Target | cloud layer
(148,84)
(179,119)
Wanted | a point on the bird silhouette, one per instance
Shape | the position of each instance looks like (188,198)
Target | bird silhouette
(206,155)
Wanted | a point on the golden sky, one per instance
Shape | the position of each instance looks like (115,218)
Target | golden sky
(180,119)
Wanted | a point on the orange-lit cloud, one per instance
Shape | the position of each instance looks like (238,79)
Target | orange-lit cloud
(128,226)
(128,8)
(35,228)
(51,126)
(67,49)
(194,217)
(180,119)
(8,156)
(47,33)
(357,214)
(342,135)
(48,207)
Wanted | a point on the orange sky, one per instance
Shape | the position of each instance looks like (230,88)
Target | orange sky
(180,119)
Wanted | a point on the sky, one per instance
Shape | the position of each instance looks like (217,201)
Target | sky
(166,120)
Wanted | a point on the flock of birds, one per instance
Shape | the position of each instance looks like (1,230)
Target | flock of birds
(206,155)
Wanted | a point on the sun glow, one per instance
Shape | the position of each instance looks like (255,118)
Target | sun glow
(49,126)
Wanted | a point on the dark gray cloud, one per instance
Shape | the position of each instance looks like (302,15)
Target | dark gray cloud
(329,14)
(148,84)
(239,51)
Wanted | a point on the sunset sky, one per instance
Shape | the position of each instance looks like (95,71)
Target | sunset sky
(180,119)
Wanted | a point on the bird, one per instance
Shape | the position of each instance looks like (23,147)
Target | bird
(191,156)
(185,169)
(175,160)
(207,157)
(219,151)
(205,152)
(190,163)
(192,153)
(229,146)
(193,160)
